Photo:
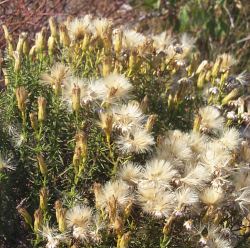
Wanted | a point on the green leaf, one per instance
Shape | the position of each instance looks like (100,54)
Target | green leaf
(210,25)
(151,4)
(222,28)
(184,15)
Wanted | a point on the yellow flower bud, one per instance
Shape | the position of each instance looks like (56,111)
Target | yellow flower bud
(106,64)
(118,67)
(52,25)
(76,98)
(25,215)
(6,77)
(157,60)
(32,51)
(167,228)
(69,20)
(150,122)
(38,215)
(19,46)
(62,220)
(144,104)
(204,64)
(216,67)
(58,87)
(18,57)
(218,217)
(229,97)
(58,207)
(81,140)
(107,46)
(197,123)
(42,164)
(98,195)
(26,47)
(41,108)
(241,108)
(77,156)
(224,76)
(107,123)
(127,210)
(11,45)
(93,43)
(34,122)
(193,64)
(201,79)
(64,36)
(86,41)
(21,96)
(51,44)
(124,240)
(118,42)
(208,76)
(132,59)
(209,214)
(6,32)
(244,229)
(40,40)
(43,199)
(119,226)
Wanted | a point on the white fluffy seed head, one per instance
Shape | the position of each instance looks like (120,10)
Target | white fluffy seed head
(127,117)
(131,39)
(212,196)
(117,193)
(174,148)
(159,171)
(130,172)
(139,141)
(196,176)
(59,73)
(230,138)
(227,62)
(113,88)
(186,196)
(211,120)
(162,41)
(158,204)
(79,216)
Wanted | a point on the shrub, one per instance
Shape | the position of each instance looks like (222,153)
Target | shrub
(117,138)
